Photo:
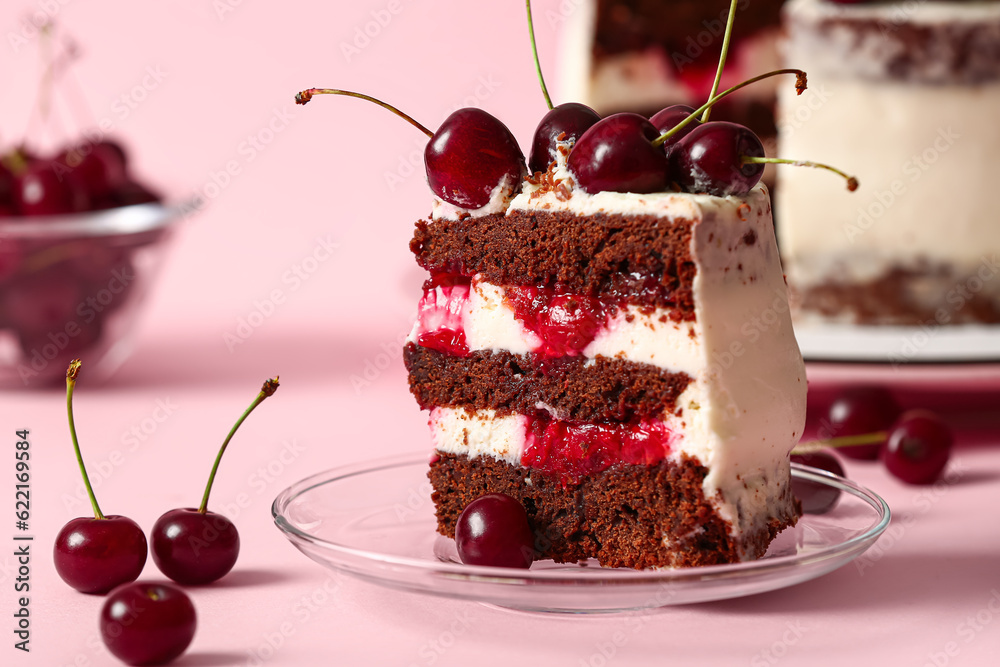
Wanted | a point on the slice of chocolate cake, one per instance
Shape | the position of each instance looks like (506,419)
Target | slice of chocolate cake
(623,365)
(907,96)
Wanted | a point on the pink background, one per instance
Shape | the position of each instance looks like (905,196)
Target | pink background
(319,181)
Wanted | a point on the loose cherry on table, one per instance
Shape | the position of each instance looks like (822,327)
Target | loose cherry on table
(95,555)
(147,623)
(195,546)
(471,154)
(493,530)
(859,410)
(918,447)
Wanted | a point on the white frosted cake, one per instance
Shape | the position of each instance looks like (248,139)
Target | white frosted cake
(623,365)
(907,97)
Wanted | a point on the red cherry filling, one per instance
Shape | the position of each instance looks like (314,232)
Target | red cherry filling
(565,323)
(469,156)
(147,624)
(816,498)
(440,322)
(710,159)
(918,447)
(566,122)
(617,155)
(571,450)
(493,530)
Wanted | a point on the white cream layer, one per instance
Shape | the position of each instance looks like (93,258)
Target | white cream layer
(924,156)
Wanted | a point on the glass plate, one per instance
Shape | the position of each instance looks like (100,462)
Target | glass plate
(375,520)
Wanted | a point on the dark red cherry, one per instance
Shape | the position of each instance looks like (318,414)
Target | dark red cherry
(708,159)
(566,122)
(493,530)
(666,119)
(860,410)
(469,156)
(617,155)
(918,447)
(817,498)
(97,170)
(194,548)
(7,208)
(131,193)
(42,190)
(12,256)
(147,623)
(95,555)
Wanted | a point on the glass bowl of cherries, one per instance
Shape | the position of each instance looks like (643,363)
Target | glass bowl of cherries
(80,243)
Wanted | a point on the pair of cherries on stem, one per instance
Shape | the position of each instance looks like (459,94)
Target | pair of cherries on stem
(191,546)
(867,424)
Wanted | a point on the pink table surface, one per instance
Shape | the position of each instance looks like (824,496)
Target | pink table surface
(318,212)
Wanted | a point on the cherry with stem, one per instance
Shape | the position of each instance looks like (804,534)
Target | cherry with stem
(196,546)
(94,555)
(470,158)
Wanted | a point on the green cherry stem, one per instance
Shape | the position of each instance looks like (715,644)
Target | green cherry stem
(71,373)
(852,182)
(534,52)
(306,95)
(800,86)
(270,386)
(844,441)
(722,56)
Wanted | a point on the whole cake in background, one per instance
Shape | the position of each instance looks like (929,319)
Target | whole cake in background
(908,94)
(641,55)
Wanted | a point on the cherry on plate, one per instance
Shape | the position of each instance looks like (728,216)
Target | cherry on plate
(816,498)
(493,530)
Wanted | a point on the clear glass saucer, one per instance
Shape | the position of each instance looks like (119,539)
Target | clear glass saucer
(375,520)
